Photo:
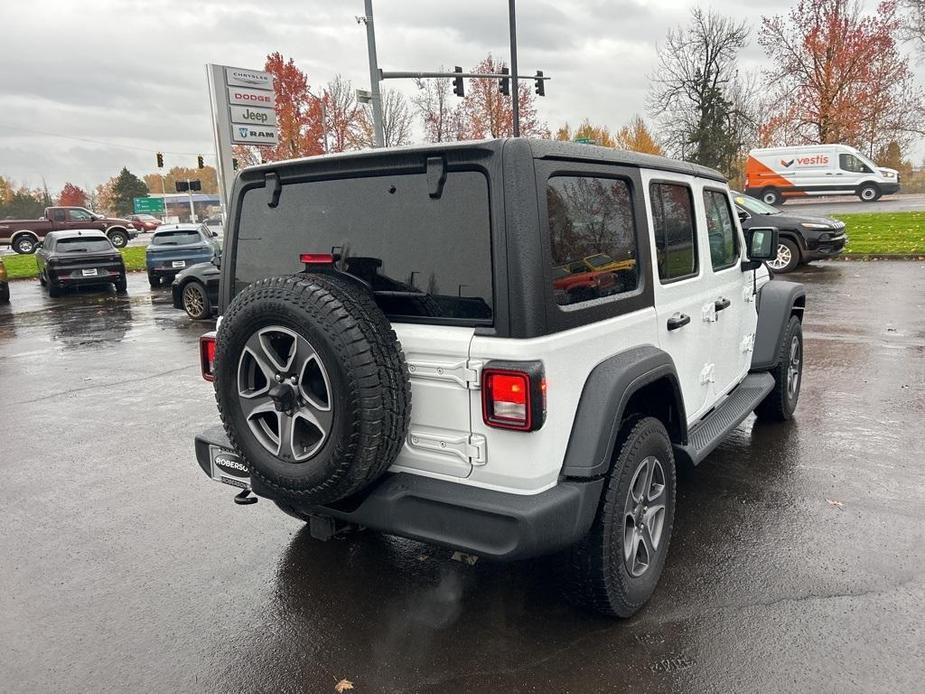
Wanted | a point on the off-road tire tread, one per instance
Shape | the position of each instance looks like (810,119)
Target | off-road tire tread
(774,406)
(384,343)
(588,577)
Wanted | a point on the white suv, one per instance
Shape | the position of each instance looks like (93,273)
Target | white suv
(502,347)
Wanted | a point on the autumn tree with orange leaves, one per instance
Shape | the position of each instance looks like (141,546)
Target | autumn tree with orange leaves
(840,76)
(72,196)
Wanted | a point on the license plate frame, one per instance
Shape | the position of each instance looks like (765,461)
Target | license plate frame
(89,272)
(178,264)
(226,467)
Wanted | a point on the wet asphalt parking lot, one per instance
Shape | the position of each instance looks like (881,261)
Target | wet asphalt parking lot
(797,561)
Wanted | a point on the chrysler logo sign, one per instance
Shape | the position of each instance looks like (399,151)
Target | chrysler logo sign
(239,77)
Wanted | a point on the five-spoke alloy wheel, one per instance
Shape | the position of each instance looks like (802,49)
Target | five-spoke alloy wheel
(285,393)
(644,516)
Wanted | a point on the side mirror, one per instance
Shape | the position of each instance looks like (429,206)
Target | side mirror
(743,215)
(761,243)
(214,234)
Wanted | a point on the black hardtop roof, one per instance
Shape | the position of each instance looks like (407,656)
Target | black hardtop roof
(71,233)
(541,149)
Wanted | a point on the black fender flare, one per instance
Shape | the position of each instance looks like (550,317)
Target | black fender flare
(606,392)
(776,302)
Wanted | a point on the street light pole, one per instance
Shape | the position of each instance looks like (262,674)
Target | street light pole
(515,92)
(374,77)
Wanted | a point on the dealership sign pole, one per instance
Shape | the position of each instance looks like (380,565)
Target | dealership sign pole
(243,113)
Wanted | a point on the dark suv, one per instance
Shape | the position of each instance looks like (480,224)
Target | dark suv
(802,238)
(398,348)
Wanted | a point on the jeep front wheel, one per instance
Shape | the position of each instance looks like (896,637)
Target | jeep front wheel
(781,402)
(312,388)
(615,568)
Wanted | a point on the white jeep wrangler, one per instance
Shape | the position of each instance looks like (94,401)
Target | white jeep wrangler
(502,347)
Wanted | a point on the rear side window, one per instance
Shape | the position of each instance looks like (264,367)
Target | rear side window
(675,232)
(724,240)
(592,238)
(425,258)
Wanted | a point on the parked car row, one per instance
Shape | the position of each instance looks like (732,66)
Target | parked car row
(186,254)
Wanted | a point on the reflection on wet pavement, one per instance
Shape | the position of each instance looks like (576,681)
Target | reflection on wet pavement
(797,560)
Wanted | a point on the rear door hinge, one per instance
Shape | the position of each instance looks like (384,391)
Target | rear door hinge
(708,374)
(477,449)
(466,373)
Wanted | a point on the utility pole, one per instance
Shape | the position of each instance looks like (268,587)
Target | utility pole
(374,76)
(515,92)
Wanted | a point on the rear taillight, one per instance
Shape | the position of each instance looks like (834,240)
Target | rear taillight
(207,355)
(514,395)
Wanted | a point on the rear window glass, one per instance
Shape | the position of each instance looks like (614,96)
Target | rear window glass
(425,258)
(175,238)
(80,244)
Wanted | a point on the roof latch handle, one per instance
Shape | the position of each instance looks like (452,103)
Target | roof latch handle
(436,176)
(274,188)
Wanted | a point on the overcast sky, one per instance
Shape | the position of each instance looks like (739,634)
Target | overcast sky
(123,79)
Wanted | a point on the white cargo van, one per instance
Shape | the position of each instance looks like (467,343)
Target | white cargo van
(777,173)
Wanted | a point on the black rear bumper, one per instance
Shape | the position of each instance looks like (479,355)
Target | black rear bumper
(479,521)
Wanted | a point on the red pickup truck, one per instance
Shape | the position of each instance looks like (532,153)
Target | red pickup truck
(24,234)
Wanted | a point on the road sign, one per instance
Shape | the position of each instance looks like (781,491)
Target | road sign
(148,205)
(584,140)
(243,112)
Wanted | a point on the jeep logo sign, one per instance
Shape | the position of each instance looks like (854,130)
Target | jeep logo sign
(254,116)
(239,96)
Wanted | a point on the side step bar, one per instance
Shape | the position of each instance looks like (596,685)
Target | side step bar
(709,431)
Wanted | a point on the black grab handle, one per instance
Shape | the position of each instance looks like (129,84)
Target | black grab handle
(721,303)
(678,321)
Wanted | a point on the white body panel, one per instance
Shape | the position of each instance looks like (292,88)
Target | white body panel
(439,432)
(528,463)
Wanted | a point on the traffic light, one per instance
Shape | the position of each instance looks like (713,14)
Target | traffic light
(504,83)
(459,87)
(540,88)
(160,160)
(202,163)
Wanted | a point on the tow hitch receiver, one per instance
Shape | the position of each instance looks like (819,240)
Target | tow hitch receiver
(243,498)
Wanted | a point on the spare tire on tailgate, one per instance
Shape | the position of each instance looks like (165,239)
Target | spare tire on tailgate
(312,385)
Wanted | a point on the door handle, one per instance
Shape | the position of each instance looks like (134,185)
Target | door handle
(678,320)
(721,303)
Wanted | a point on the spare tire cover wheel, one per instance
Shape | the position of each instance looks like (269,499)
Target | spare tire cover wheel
(311,393)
